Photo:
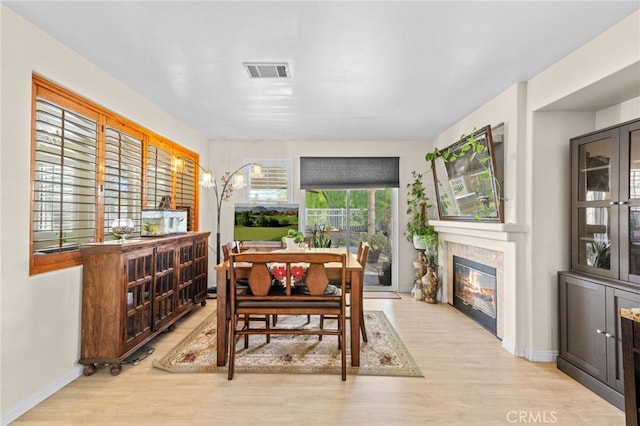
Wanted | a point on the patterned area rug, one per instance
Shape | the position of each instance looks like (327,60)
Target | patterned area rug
(383,355)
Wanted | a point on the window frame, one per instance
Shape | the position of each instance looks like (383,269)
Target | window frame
(63,98)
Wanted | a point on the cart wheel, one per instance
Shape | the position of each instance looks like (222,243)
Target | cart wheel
(88,369)
(115,369)
(203,303)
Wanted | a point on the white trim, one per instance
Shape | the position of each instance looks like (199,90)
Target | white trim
(26,404)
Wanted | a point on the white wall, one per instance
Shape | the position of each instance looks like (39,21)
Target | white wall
(40,314)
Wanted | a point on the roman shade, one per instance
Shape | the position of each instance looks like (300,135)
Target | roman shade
(349,172)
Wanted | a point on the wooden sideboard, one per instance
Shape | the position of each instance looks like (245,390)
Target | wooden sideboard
(134,290)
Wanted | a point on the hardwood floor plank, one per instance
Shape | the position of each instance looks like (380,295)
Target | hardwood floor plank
(469,379)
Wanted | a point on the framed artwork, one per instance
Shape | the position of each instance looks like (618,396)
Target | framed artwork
(467,186)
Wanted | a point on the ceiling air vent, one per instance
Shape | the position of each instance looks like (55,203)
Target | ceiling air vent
(268,70)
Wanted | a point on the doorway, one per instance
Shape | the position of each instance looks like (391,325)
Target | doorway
(347,216)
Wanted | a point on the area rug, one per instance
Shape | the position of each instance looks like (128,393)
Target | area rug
(383,355)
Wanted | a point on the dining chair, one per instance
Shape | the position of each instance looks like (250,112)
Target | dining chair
(363,254)
(243,283)
(308,293)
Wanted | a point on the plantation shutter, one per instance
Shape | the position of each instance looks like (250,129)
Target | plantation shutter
(123,179)
(349,172)
(186,191)
(159,175)
(64,179)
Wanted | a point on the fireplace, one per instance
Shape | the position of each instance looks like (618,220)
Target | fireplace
(475,292)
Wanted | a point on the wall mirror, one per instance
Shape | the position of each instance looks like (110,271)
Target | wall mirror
(467,186)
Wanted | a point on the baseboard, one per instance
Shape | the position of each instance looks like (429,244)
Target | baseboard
(524,352)
(21,407)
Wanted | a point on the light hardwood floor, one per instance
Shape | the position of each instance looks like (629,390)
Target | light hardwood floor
(469,380)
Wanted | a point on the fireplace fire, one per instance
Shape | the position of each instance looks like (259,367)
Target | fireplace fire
(475,291)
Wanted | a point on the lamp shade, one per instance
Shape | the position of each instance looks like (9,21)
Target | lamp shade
(207,179)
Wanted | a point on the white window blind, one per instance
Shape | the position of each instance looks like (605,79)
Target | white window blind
(273,184)
(64,179)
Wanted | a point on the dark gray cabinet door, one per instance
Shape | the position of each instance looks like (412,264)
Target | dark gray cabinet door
(617,299)
(583,325)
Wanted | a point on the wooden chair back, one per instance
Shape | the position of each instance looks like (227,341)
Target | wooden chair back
(267,295)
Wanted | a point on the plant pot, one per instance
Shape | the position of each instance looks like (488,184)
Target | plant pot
(384,278)
(373,257)
(291,244)
(418,243)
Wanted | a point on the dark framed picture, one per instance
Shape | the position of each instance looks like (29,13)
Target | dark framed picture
(467,186)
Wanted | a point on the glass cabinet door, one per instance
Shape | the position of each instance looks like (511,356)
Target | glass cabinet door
(630,202)
(595,209)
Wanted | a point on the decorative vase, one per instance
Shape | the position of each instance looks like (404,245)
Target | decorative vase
(430,285)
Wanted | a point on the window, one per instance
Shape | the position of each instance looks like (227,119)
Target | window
(90,167)
(64,178)
(274,183)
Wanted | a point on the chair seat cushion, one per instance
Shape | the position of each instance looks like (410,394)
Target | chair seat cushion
(329,304)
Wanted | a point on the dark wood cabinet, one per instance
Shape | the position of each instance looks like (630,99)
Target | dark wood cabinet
(605,202)
(134,290)
(590,332)
(605,258)
(630,321)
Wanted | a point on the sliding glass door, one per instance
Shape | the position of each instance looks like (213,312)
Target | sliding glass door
(344,217)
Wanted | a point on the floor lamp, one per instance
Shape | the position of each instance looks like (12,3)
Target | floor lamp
(223,189)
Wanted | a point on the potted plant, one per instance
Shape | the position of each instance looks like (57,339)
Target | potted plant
(378,242)
(320,238)
(419,232)
(293,238)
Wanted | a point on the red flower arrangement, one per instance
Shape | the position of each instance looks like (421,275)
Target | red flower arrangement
(297,272)
(279,272)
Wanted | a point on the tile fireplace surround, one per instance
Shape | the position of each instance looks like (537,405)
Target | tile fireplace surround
(500,246)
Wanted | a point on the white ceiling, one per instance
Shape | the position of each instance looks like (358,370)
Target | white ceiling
(361,71)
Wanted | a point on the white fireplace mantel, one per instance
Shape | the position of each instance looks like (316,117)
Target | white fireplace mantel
(490,231)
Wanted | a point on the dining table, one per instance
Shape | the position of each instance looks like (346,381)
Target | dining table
(353,269)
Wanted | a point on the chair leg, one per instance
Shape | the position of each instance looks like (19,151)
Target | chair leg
(363,328)
(267,325)
(343,350)
(247,321)
(232,348)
